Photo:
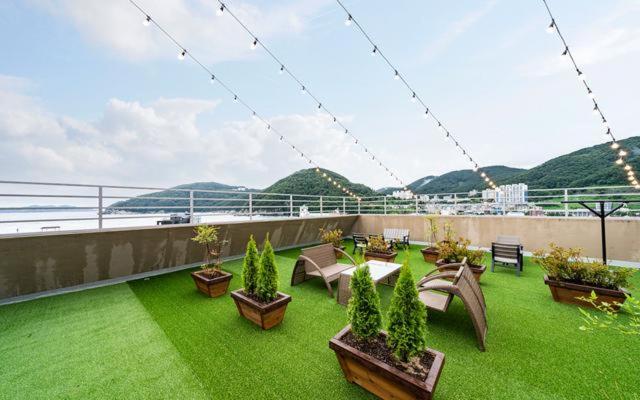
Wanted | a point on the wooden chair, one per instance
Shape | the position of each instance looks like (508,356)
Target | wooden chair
(397,236)
(360,242)
(436,291)
(320,261)
(508,252)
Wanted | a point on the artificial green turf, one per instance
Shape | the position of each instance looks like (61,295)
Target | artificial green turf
(534,347)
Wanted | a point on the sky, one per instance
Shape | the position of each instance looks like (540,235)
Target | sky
(90,95)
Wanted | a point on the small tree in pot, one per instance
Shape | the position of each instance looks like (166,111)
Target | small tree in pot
(396,364)
(211,280)
(379,249)
(454,251)
(431,253)
(259,301)
(334,237)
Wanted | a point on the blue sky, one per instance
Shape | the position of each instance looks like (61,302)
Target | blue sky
(87,94)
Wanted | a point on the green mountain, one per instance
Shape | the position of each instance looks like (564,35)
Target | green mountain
(308,181)
(463,180)
(591,166)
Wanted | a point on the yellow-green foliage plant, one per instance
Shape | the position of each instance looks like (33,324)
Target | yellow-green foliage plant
(333,236)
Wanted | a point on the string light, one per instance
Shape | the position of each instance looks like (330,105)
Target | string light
(305,89)
(213,79)
(413,98)
(146,21)
(627,167)
(622,153)
(619,161)
(552,27)
(374,51)
(615,145)
(220,10)
(254,44)
(349,20)
(254,114)
(396,76)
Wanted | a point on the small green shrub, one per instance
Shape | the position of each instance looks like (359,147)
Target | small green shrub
(609,315)
(333,236)
(364,305)
(377,244)
(453,251)
(267,282)
(567,264)
(407,319)
(250,267)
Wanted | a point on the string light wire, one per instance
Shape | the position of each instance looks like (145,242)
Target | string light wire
(183,53)
(597,109)
(414,96)
(304,88)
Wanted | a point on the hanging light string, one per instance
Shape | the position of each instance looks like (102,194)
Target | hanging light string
(183,53)
(305,90)
(415,97)
(597,110)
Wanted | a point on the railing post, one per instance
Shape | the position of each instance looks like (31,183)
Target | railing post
(385,205)
(191,217)
(417,207)
(250,206)
(321,207)
(344,205)
(100,207)
(358,206)
(566,205)
(290,206)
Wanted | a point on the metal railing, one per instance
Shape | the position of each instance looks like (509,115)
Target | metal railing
(98,206)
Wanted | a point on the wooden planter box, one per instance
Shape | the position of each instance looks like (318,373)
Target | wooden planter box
(339,254)
(383,380)
(264,315)
(567,292)
(212,287)
(430,254)
(386,257)
(477,270)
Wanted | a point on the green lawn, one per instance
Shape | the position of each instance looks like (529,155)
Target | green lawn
(160,338)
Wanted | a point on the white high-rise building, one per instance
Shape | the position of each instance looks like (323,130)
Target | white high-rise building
(507,194)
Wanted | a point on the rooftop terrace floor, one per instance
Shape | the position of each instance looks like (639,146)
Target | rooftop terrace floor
(160,338)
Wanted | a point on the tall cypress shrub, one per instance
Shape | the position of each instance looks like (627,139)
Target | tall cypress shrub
(407,319)
(364,305)
(267,285)
(250,267)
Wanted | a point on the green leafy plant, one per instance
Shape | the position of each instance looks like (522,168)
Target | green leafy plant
(455,251)
(267,280)
(207,235)
(432,229)
(567,264)
(609,315)
(331,236)
(250,267)
(407,319)
(364,305)
(377,244)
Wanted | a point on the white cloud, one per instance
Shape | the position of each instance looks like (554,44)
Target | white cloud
(117,25)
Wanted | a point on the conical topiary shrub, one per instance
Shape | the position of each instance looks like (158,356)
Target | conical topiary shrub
(364,305)
(250,267)
(267,282)
(407,329)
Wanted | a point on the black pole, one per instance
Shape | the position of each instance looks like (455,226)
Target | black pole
(604,235)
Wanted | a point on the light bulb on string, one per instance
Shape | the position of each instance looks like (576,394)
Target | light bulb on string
(565,52)
(426,113)
(552,27)
(486,179)
(591,94)
(483,174)
(146,21)
(622,153)
(596,110)
(615,145)
(182,55)
(396,75)
(374,51)
(627,167)
(254,44)
(607,133)
(235,98)
(319,106)
(630,178)
(303,89)
(414,98)
(581,75)
(213,79)
(349,20)
(619,161)
(281,71)
(220,10)
(475,168)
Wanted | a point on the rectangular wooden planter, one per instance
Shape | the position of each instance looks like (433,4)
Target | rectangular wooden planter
(368,256)
(477,270)
(430,254)
(568,292)
(381,379)
(212,287)
(264,315)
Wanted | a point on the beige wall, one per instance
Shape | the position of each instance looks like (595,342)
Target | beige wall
(48,261)
(623,235)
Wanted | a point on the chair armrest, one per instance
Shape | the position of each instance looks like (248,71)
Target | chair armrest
(442,275)
(307,259)
(345,253)
(446,287)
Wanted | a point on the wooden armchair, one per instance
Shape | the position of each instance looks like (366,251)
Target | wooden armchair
(320,262)
(508,252)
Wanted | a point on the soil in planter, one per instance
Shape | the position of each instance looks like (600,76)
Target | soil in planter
(377,348)
(210,274)
(255,298)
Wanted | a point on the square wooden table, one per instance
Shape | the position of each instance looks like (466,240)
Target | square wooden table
(381,272)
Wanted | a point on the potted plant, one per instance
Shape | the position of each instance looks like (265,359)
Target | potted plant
(571,277)
(334,237)
(211,279)
(431,253)
(395,364)
(259,300)
(379,249)
(455,251)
